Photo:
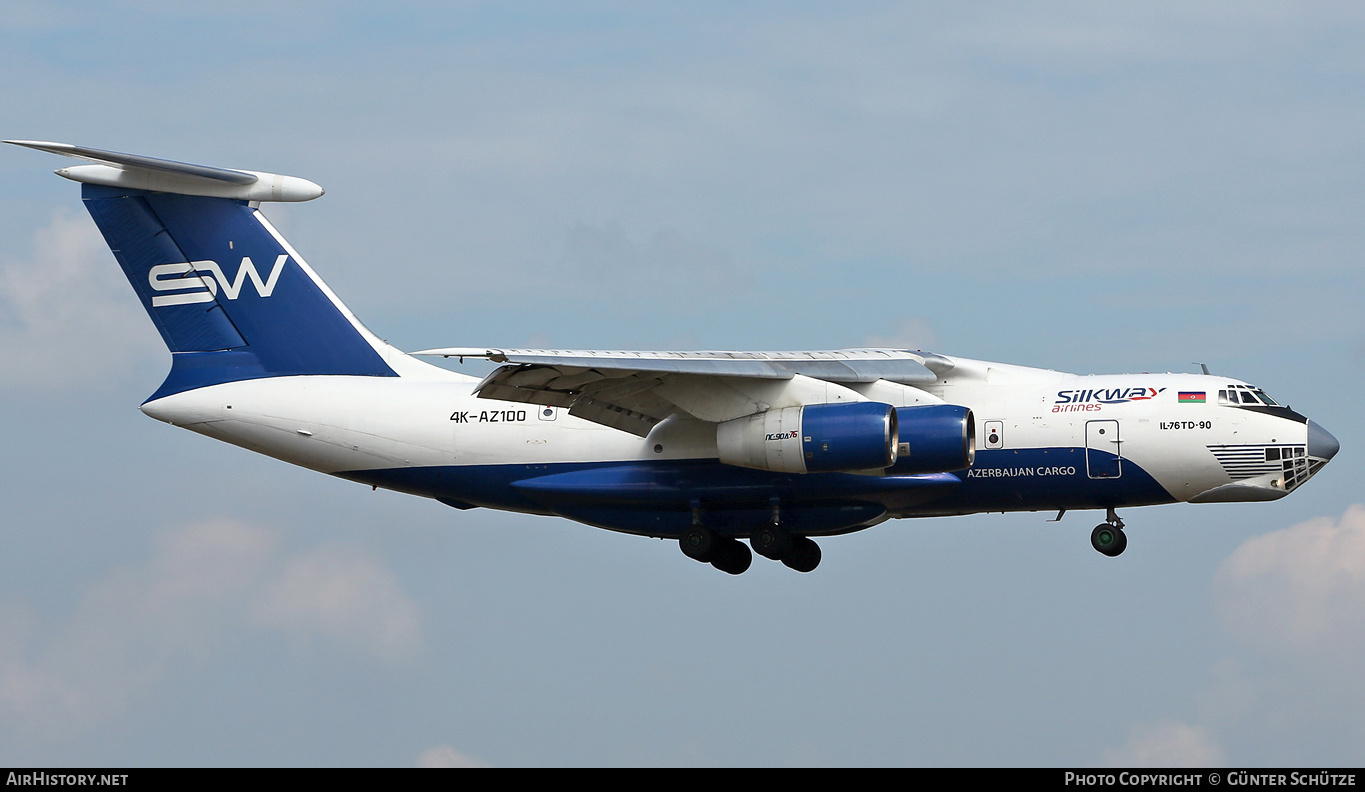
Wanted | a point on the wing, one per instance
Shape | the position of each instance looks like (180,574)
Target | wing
(634,391)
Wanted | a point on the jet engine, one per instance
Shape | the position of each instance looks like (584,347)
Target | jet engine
(936,438)
(815,438)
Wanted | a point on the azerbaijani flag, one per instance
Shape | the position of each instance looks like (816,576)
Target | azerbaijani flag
(1191,397)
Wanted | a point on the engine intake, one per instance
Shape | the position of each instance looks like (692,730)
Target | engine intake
(816,438)
(937,438)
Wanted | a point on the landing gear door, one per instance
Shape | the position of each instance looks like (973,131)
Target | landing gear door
(1103,450)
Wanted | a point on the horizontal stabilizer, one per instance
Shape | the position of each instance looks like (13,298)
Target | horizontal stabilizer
(114,169)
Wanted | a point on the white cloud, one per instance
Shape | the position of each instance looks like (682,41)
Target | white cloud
(204,582)
(1167,744)
(1295,600)
(340,595)
(130,626)
(445,756)
(67,316)
(1301,588)
(1296,597)
(911,332)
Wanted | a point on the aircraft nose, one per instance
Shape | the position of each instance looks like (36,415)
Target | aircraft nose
(1321,443)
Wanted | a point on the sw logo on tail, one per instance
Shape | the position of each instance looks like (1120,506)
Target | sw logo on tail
(177,276)
(691,446)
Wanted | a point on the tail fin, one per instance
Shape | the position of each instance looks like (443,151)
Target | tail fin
(231,298)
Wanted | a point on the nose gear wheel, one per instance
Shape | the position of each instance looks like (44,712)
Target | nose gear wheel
(1108,537)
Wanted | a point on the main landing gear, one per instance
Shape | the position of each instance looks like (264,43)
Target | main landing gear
(731,555)
(797,552)
(1108,537)
(722,552)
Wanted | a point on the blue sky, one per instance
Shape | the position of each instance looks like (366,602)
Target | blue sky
(1126,187)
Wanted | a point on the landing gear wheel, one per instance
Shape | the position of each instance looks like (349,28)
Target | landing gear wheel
(771,541)
(699,543)
(732,556)
(1108,539)
(804,555)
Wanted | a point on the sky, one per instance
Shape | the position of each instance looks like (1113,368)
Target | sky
(1123,187)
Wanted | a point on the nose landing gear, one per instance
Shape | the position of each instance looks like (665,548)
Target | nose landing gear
(1108,537)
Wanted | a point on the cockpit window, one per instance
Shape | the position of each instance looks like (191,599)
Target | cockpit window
(1245,394)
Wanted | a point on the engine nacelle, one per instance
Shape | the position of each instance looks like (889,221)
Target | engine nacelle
(936,438)
(816,438)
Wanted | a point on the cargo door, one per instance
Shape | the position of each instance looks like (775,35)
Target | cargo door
(1103,450)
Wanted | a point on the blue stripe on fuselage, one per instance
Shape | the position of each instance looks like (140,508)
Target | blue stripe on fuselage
(656,497)
(1032,479)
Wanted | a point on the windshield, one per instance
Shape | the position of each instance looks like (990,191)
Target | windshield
(1245,394)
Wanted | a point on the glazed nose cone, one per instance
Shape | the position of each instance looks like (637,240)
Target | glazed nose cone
(1321,443)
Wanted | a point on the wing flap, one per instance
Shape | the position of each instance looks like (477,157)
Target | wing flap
(634,391)
(613,415)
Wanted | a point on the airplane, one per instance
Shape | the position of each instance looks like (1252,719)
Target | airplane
(705,448)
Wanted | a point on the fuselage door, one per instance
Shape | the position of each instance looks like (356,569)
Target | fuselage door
(1103,451)
(995,434)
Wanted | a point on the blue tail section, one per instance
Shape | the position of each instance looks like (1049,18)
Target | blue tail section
(229,295)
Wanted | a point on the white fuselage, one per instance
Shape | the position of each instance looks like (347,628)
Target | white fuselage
(1038,435)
